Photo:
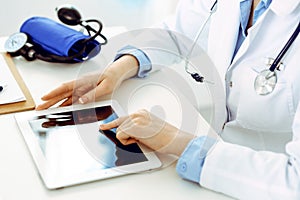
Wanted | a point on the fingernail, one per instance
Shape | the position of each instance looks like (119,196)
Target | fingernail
(37,107)
(83,100)
(102,126)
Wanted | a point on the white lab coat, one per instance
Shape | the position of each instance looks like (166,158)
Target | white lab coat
(259,157)
(265,123)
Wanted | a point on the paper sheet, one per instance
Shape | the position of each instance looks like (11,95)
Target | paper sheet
(2,42)
(11,92)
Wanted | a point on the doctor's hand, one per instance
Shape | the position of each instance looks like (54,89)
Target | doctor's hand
(151,131)
(90,87)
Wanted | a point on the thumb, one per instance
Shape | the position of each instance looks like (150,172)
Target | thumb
(91,95)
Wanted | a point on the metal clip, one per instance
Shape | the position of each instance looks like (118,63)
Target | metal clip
(279,67)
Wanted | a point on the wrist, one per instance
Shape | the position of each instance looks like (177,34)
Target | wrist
(125,67)
(179,143)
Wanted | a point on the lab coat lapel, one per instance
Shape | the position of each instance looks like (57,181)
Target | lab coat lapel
(223,34)
(252,32)
(279,7)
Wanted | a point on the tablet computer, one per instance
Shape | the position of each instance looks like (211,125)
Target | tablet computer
(68,148)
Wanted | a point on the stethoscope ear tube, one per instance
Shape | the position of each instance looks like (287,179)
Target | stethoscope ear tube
(196,76)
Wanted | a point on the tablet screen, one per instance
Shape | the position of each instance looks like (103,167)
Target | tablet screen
(72,142)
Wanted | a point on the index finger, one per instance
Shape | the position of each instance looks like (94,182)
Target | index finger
(53,101)
(113,124)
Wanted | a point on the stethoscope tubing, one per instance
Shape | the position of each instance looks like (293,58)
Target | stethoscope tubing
(284,49)
(196,76)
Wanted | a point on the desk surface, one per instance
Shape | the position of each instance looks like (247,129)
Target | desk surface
(19,177)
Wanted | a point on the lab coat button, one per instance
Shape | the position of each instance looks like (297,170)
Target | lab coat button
(230,84)
(183,167)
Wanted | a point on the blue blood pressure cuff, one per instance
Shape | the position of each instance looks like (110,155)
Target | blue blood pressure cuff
(58,39)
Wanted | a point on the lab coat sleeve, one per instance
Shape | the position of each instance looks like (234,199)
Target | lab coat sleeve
(243,173)
(179,31)
(168,42)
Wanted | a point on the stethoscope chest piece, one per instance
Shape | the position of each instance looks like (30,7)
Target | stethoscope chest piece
(265,82)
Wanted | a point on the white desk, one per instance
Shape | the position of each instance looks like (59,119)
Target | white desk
(19,178)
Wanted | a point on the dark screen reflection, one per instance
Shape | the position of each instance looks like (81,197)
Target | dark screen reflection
(109,149)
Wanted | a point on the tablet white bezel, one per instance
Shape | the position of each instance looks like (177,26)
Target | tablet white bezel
(57,182)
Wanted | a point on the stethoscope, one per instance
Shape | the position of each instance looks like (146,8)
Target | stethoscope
(265,81)
(196,76)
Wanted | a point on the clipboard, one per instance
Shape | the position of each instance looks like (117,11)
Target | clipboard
(28,104)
